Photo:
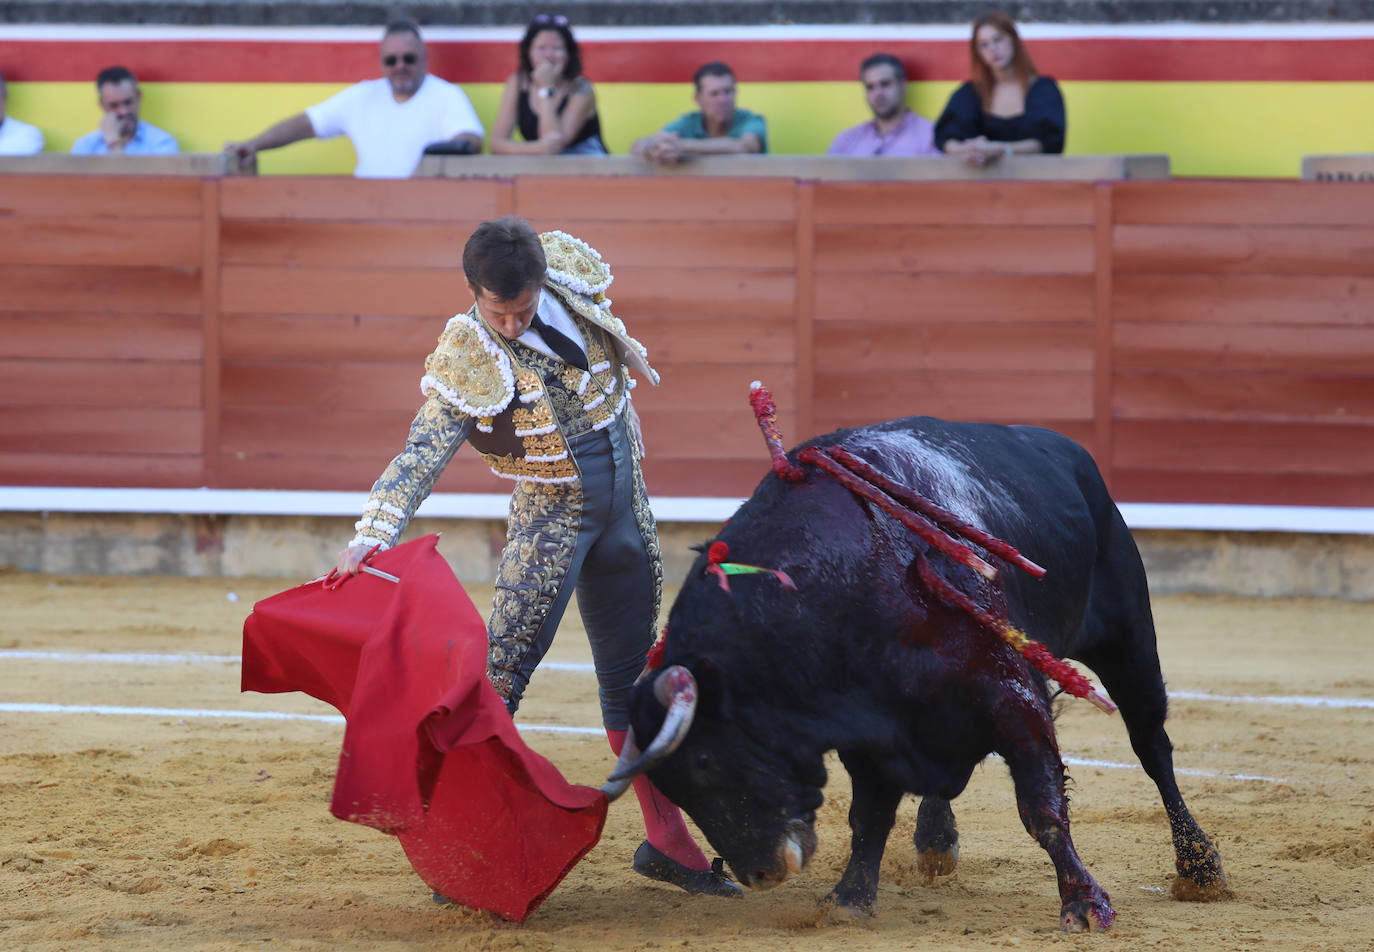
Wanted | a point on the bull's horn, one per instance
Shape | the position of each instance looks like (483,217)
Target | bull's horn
(624,772)
(676,690)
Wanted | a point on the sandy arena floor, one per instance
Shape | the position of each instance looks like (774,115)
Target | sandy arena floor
(170,831)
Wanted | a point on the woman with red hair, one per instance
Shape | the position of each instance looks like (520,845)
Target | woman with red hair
(1007,108)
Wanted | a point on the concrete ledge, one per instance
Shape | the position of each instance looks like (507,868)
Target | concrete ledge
(1225,561)
(821,168)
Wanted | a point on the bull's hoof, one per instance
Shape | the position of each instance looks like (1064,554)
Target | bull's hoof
(1089,915)
(834,909)
(650,862)
(1185,889)
(932,863)
(1200,876)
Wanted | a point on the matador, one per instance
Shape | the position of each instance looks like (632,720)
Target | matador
(536,377)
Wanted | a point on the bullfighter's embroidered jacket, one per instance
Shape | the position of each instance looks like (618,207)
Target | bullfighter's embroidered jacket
(517,406)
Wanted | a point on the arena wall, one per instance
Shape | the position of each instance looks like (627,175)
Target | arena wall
(1209,342)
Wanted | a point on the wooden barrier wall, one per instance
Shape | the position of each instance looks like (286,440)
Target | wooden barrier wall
(1208,341)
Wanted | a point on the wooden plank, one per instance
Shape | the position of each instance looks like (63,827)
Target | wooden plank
(743,292)
(99,469)
(98,196)
(714,390)
(211,254)
(80,336)
(365,245)
(693,244)
(991,349)
(327,337)
(805,333)
(104,290)
(30,383)
(1244,299)
(265,289)
(1248,488)
(1198,249)
(323,388)
(1248,397)
(1103,371)
(345,473)
(1236,347)
(163,242)
(685,432)
(334,199)
(956,395)
(272,431)
(712,340)
(727,478)
(908,297)
(549,200)
(1230,203)
(120,430)
(1235,447)
(962,249)
(954,203)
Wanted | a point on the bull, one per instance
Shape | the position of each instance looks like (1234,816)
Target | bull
(882,644)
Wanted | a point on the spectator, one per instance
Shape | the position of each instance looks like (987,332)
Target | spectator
(16,138)
(121,130)
(718,128)
(390,120)
(1007,108)
(547,98)
(895,129)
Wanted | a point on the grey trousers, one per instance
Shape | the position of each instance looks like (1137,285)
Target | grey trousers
(596,535)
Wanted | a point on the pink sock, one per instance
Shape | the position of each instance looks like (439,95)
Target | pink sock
(663,823)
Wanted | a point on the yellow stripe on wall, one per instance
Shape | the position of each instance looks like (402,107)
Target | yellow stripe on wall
(1208,129)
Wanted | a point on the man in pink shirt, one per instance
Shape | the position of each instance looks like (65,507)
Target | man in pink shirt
(894,129)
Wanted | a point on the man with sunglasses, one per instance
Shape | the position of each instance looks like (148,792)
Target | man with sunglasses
(391,120)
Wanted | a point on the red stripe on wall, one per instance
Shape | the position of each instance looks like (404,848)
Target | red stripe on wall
(667,61)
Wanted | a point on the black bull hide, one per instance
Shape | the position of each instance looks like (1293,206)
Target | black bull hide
(863,659)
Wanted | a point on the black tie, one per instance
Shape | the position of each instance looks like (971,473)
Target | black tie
(560,343)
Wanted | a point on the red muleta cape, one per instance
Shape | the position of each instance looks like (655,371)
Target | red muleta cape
(429,752)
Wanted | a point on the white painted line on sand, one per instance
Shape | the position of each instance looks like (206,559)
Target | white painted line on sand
(96,657)
(1079,762)
(101,657)
(183,713)
(1289,699)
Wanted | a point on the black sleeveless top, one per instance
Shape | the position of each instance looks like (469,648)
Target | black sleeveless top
(528,122)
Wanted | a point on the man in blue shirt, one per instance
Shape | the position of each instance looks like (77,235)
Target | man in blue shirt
(718,128)
(120,130)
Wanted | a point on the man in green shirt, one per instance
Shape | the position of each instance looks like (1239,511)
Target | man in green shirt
(717,128)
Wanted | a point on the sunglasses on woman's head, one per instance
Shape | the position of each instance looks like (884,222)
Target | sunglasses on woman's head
(410,59)
(557,19)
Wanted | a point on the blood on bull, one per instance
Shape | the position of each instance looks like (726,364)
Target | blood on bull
(912,588)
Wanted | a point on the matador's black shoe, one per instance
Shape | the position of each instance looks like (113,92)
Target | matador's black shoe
(650,862)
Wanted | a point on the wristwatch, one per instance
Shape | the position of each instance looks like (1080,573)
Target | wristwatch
(548,92)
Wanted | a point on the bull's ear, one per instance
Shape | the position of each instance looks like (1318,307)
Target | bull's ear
(712,692)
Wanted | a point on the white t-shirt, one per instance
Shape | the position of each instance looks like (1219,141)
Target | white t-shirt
(19,138)
(388,136)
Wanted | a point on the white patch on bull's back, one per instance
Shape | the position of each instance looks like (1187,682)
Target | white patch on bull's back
(943,478)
